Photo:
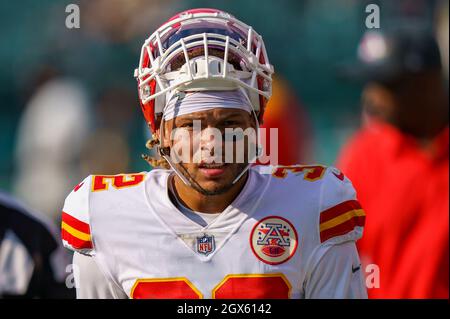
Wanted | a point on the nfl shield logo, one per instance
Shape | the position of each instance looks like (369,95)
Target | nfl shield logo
(205,244)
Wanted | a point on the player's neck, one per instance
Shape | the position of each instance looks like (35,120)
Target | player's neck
(211,204)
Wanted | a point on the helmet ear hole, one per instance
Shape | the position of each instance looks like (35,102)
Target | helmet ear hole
(158,118)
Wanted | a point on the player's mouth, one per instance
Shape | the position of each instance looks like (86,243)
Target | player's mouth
(212,169)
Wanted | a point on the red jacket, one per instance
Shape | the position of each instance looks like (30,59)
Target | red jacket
(404,190)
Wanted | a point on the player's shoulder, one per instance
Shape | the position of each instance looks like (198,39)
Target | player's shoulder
(341,216)
(300,174)
(314,174)
(98,184)
(75,228)
(79,204)
(333,206)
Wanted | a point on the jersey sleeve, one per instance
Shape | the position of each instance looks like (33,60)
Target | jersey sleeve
(337,273)
(341,216)
(333,269)
(75,227)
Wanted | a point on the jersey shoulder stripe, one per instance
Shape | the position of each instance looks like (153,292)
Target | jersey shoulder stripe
(75,232)
(341,219)
(75,220)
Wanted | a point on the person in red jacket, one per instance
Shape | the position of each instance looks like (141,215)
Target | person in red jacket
(399,164)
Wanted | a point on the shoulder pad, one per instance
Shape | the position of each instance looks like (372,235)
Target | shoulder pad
(341,216)
(75,228)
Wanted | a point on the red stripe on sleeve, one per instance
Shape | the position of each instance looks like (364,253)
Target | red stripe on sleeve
(343,228)
(76,223)
(75,242)
(339,209)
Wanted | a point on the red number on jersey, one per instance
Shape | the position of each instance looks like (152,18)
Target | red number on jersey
(101,182)
(312,172)
(165,288)
(248,286)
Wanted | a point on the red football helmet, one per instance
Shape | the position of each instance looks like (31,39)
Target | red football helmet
(202,49)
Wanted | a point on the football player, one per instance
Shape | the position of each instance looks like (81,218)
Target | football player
(209,228)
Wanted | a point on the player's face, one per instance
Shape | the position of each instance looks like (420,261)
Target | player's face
(203,149)
(378,102)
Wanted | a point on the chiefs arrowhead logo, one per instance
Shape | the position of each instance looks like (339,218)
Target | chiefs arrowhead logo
(273,240)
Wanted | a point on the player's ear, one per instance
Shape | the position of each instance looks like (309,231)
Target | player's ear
(157,135)
(167,127)
(159,124)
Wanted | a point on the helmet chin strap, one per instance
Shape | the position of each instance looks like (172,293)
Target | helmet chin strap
(165,151)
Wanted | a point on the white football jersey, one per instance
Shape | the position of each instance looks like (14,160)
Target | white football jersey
(290,233)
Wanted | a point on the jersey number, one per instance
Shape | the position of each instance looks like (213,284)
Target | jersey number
(312,173)
(247,286)
(102,182)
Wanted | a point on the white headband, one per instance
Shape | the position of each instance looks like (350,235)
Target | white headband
(182,103)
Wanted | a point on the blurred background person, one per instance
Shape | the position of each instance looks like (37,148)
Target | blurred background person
(399,163)
(32,260)
(51,132)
